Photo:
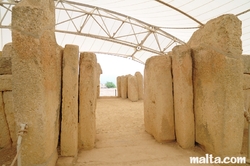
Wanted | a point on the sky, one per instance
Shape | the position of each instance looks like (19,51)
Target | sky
(113,66)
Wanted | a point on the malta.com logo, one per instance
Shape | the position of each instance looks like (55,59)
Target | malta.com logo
(209,159)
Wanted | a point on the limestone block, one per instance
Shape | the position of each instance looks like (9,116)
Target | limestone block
(5,65)
(132,88)
(69,123)
(221,34)
(65,161)
(99,72)
(246,63)
(158,99)
(10,115)
(124,87)
(87,102)
(139,78)
(5,82)
(246,81)
(218,101)
(5,140)
(183,96)
(1,53)
(7,50)
(36,67)
(118,82)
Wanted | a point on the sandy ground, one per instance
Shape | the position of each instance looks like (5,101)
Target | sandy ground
(122,141)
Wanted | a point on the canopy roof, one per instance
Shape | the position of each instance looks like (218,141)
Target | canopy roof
(135,29)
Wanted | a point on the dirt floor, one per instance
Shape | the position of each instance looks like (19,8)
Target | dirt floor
(122,140)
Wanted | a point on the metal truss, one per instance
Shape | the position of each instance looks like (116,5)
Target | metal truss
(139,38)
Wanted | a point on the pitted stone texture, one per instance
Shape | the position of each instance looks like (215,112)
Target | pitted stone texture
(246,63)
(183,96)
(10,115)
(124,87)
(118,82)
(246,104)
(99,72)
(218,101)
(36,67)
(5,65)
(5,82)
(132,88)
(7,50)
(87,101)
(69,123)
(139,78)
(5,140)
(158,99)
(221,34)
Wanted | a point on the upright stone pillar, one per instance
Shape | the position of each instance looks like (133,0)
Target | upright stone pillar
(36,68)
(118,82)
(87,100)
(158,99)
(69,123)
(217,82)
(139,78)
(132,88)
(7,50)
(183,96)
(124,87)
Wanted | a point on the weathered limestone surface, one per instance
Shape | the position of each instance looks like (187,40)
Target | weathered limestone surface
(183,96)
(99,72)
(87,102)
(218,82)
(10,115)
(5,82)
(5,65)
(246,81)
(246,104)
(36,67)
(139,78)
(1,53)
(221,34)
(69,123)
(158,98)
(124,87)
(246,63)
(118,82)
(5,140)
(218,101)
(7,50)
(132,88)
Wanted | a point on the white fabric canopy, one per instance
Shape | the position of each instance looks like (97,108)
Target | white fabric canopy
(135,29)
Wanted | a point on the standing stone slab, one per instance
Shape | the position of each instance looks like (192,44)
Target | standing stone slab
(246,63)
(218,101)
(5,140)
(88,84)
(118,82)
(36,67)
(99,72)
(139,78)
(158,99)
(183,96)
(10,115)
(124,87)
(132,88)
(7,50)
(69,124)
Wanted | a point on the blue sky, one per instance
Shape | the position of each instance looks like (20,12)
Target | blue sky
(113,66)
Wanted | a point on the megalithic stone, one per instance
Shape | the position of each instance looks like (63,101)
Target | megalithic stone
(132,88)
(139,78)
(36,75)
(69,123)
(158,99)
(87,100)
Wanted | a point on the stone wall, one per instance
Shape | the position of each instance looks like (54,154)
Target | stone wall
(36,67)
